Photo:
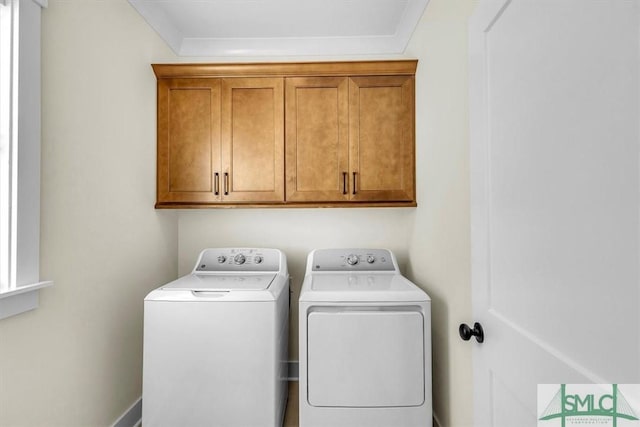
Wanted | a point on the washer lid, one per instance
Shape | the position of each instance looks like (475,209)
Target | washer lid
(222,282)
(360,287)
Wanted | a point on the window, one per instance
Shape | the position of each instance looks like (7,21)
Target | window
(8,112)
(19,155)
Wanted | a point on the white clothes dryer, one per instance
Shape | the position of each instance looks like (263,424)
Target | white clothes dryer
(215,342)
(365,342)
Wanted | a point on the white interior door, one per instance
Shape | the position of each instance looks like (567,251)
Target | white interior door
(555,199)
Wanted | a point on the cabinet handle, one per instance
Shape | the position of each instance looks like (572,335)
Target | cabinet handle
(226,183)
(354,182)
(344,183)
(216,183)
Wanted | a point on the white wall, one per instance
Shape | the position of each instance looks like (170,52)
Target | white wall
(105,246)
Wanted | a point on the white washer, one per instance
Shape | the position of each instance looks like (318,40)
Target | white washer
(215,342)
(365,342)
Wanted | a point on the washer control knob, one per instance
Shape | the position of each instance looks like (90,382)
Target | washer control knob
(258,259)
(239,259)
(371,259)
(221,259)
(352,259)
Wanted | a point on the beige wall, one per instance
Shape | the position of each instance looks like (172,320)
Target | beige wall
(77,359)
(439,251)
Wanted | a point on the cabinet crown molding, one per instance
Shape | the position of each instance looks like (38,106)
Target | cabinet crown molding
(301,134)
(287,69)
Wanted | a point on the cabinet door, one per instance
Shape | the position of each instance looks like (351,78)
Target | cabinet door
(317,114)
(253,139)
(188,140)
(381,138)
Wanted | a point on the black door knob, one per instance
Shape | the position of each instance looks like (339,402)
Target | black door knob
(466,332)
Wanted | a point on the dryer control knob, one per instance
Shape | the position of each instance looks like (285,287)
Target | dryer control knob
(371,259)
(257,259)
(239,259)
(352,259)
(222,259)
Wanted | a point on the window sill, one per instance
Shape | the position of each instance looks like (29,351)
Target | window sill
(22,299)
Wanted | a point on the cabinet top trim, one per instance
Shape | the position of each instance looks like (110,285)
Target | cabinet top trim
(287,69)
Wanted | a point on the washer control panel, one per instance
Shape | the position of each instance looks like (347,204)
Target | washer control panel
(238,259)
(353,260)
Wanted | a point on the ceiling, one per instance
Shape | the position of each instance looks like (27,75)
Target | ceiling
(283,27)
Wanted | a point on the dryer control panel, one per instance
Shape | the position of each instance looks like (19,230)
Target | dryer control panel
(353,260)
(237,260)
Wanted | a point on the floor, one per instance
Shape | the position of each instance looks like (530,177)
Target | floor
(291,415)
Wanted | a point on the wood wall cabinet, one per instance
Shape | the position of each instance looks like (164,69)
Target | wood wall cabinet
(317,139)
(253,140)
(220,141)
(381,123)
(286,134)
(350,139)
(188,140)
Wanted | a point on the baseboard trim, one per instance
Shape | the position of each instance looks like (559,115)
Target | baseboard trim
(436,421)
(132,417)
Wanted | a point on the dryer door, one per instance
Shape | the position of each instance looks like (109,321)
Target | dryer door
(360,357)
